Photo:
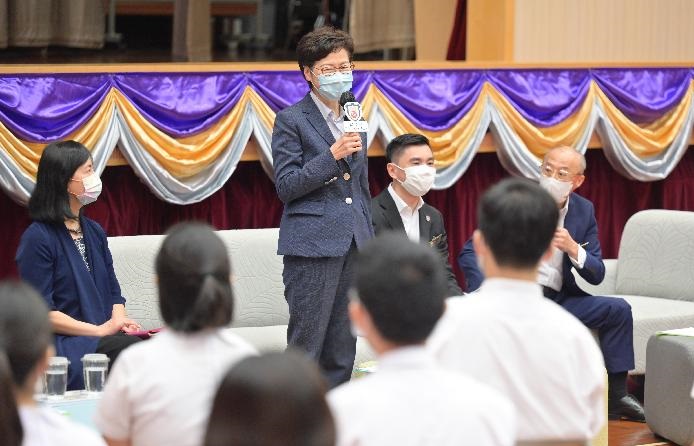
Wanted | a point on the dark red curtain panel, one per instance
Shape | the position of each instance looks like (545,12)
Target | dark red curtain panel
(456,44)
(248,200)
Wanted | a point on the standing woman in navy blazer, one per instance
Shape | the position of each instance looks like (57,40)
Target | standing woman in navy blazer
(65,256)
(321,177)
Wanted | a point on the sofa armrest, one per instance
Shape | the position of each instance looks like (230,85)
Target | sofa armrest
(607,287)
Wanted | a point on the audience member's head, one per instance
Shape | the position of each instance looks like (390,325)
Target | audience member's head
(26,335)
(562,172)
(194,279)
(10,425)
(277,399)
(516,220)
(26,344)
(411,163)
(61,168)
(400,292)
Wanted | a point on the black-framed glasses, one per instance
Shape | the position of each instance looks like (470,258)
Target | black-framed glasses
(329,70)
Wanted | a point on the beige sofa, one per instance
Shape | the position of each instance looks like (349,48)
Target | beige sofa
(654,272)
(260,311)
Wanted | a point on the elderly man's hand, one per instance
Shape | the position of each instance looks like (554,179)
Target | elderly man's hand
(562,241)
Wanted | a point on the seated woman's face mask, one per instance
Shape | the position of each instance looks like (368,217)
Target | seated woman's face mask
(92,189)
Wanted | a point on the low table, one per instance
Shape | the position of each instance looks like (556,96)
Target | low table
(78,405)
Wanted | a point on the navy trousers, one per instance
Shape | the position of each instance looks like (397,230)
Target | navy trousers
(316,293)
(612,319)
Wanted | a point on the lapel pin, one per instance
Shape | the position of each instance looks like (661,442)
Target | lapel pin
(428,218)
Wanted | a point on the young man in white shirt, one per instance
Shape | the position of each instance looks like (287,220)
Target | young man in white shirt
(410,400)
(512,338)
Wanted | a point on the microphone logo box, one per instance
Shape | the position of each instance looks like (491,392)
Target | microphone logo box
(354,122)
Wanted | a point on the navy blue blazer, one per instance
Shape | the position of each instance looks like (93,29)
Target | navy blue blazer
(327,203)
(581,224)
(48,259)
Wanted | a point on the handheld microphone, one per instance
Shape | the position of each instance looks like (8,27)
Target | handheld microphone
(354,119)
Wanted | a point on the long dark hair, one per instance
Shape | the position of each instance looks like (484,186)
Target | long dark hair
(194,271)
(10,425)
(25,334)
(50,201)
(277,399)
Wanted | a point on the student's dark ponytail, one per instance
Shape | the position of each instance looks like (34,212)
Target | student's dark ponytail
(194,279)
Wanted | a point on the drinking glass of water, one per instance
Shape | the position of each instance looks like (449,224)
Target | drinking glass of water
(55,378)
(95,366)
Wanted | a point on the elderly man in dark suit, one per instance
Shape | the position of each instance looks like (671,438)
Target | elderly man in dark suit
(321,177)
(576,246)
(400,207)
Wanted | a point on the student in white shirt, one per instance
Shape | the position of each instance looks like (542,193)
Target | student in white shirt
(410,399)
(512,338)
(277,399)
(160,391)
(26,338)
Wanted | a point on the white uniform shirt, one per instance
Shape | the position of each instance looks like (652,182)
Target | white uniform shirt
(45,426)
(160,392)
(335,123)
(412,401)
(541,357)
(550,272)
(409,217)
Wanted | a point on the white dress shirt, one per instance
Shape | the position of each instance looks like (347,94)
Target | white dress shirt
(335,123)
(160,392)
(409,216)
(412,401)
(550,272)
(545,360)
(45,426)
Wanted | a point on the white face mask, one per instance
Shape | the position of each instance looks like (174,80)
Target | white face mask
(418,179)
(559,190)
(92,189)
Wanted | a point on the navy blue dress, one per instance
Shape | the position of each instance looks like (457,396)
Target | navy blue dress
(48,259)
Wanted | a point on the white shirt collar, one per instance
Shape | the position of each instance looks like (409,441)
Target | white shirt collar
(325,110)
(511,287)
(400,203)
(565,208)
(407,357)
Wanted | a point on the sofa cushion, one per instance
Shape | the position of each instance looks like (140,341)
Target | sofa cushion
(256,270)
(133,262)
(257,277)
(652,314)
(655,255)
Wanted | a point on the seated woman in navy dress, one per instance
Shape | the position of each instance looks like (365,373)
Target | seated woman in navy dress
(65,256)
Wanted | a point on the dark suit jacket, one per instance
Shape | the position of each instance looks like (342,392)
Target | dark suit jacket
(581,224)
(323,211)
(386,217)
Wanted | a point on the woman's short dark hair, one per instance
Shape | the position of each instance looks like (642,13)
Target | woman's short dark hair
(277,399)
(11,430)
(25,330)
(320,42)
(194,271)
(50,201)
